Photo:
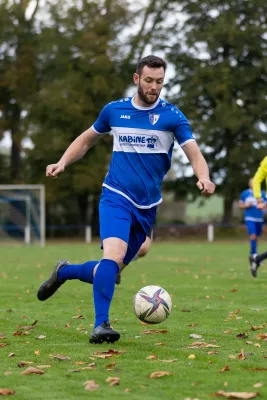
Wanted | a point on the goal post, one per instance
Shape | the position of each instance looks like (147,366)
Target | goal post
(22,214)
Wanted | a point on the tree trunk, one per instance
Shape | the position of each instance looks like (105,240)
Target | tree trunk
(227,210)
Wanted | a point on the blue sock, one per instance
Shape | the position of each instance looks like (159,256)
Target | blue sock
(103,287)
(253,246)
(83,272)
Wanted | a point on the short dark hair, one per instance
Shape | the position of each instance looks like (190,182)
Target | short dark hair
(151,62)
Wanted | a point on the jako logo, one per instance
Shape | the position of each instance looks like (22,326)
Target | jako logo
(125,116)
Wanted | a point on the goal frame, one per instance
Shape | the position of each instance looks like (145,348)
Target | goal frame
(42,207)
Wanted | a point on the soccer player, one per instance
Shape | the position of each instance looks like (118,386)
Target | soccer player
(144,128)
(259,177)
(254,218)
(141,252)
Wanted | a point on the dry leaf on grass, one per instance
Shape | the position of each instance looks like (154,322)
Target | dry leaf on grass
(212,352)
(169,361)
(258,384)
(60,357)
(195,336)
(6,392)
(91,385)
(256,328)
(224,369)
(159,374)
(41,337)
(113,380)
(152,357)
(3,344)
(33,370)
(237,395)
(43,366)
(262,336)
(150,331)
(110,366)
(191,356)
(242,336)
(80,362)
(37,352)
(2,336)
(24,363)
(78,317)
(11,354)
(159,344)
(195,345)
(127,390)
(241,356)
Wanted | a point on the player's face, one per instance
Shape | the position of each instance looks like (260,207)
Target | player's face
(149,83)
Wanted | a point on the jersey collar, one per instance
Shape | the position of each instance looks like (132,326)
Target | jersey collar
(145,108)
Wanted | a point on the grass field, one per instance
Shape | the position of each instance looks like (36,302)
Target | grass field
(213,296)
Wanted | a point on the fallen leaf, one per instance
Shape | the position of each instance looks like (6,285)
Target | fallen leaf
(127,390)
(6,391)
(80,362)
(232,357)
(224,369)
(110,365)
(41,337)
(159,374)
(262,336)
(169,361)
(60,357)
(242,336)
(195,336)
(227,332)
(212,352)
(150,331)
(110,351)
(43,366)
(237,395)
(152,357)
(241,356)
(192,325)
(32,370)
(113,381)
(2,336)
(185,310)
(195,345)
(144,323)
(257,369)
(3,344)
(37,352)
(67,325)
(11,354)
(256,328)
(24,363)
(91,385)
(159,344)
(78,317)
(191,356)
(249,342)
(258,384)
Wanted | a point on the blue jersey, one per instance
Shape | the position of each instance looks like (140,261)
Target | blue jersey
(252,213)
(143,140)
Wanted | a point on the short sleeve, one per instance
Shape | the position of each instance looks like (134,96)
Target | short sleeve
(182,130)
(102,124)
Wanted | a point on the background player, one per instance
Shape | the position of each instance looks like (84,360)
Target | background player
(254,218)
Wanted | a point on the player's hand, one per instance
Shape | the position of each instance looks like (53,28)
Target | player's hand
(260,204)
(206,186)
(53,170)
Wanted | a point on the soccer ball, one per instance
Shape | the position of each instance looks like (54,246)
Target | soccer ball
(152,304)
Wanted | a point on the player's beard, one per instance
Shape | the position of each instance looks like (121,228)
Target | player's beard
(145,98)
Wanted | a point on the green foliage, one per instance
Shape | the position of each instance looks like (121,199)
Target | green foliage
(222,72)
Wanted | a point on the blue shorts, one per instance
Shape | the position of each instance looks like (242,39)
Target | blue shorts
(119,218)
(254,228)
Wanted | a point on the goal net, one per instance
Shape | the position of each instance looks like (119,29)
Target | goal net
(22,214)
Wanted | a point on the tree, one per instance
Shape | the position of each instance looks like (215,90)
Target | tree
(221,72)
(17,74)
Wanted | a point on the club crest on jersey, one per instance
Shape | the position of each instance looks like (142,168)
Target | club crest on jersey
(153,118)
(151,142)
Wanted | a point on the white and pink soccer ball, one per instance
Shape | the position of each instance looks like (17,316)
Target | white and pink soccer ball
(152,304)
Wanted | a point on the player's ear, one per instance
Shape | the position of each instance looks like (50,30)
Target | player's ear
(136,78)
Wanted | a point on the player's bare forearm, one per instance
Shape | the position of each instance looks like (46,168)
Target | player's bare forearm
(74,152)
(200,168)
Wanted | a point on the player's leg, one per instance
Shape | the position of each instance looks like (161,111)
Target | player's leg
(64,271)
(256,260)
(143,250)
(251,228)
(115,226)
